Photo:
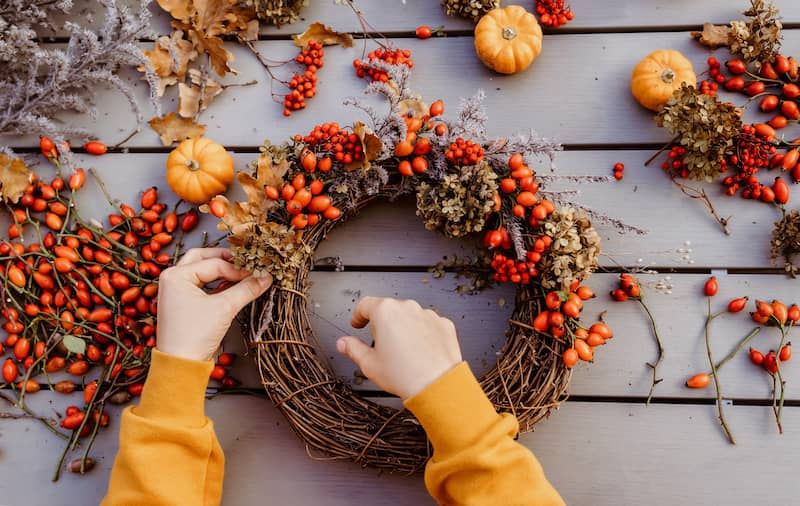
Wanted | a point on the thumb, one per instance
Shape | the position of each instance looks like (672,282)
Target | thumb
(245,291)
(356,350)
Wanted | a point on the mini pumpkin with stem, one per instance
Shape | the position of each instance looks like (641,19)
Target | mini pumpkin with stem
(507,40)
(658,75)
(199,169)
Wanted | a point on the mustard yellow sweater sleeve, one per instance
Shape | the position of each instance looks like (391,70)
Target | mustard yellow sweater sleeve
(475,458)
(168,452)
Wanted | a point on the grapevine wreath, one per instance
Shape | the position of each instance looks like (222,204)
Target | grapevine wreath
(465,185)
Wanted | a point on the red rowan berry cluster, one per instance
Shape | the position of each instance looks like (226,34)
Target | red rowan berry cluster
(304,85)
(515,271)
(464,152)
(553,13)
(390,56)
(342,145)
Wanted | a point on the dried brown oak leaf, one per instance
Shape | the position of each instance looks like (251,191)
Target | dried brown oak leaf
(172,128)
(208,20)
(178,9)
(268,174)
(241,217)
(170,58)
(14,177)
(323,34)
(189,94)
(713,36)
(371,146)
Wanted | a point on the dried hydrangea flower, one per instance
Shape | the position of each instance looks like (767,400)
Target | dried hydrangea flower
(458,205)
(785,242)
(759,39)
(470,9)
(574,251)
(705,126)
(271,248)
(277,12)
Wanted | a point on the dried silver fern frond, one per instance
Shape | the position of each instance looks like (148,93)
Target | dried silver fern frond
(42,82)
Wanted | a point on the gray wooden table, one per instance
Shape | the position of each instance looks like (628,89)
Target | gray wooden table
(603,446)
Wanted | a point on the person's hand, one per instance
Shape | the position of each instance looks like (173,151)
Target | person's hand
(191,321)
(413,346)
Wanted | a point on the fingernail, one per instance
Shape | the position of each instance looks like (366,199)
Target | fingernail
(264,280)
(341,345)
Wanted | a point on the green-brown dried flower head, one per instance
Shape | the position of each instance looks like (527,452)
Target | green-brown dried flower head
(785,242)
(705,126)
(459,204)
(758,40)
(574,251)
(271,248)
(277,12)
(470,9)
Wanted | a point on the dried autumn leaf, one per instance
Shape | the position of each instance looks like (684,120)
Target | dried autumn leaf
(14,177)
(414,106)
(713,36)
(323,34)
(189,95)
(178,9)
(170,58)
(268,174)
(371,146)
(172,128)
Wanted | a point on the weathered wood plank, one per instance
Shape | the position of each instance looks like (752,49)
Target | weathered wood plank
(391,16)
(391,235)
(576,92)
(264,457)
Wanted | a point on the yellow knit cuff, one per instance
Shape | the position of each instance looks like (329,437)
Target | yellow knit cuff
(175,390)
(454,410)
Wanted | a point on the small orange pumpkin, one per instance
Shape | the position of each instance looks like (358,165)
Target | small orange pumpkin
(507,40)
(199,169)
(657,76)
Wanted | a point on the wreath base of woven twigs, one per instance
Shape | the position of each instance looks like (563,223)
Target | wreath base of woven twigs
(527,380)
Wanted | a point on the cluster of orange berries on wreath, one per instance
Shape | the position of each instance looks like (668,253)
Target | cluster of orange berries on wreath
(386,55)
(334,142)
(561,318)
(523,188)
(305,201)
(304,86)
(413,150)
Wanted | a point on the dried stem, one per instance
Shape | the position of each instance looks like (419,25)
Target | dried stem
(29,414)
(714,374)
(660,358)
(777,407)
(701,194)
(749,337)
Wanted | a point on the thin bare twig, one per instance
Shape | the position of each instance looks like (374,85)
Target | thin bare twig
(653,366)
(701,194)
(715,375)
